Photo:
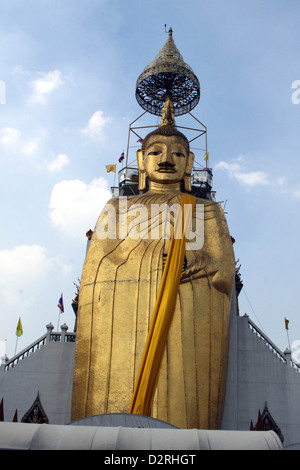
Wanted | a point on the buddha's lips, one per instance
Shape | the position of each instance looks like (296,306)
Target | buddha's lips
(166,170)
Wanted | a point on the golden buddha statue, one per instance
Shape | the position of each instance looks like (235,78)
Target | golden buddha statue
(119,285)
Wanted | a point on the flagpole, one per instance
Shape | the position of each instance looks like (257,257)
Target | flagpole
(286,321)
(287,333)
(206,144)
(58,319)
(16,345)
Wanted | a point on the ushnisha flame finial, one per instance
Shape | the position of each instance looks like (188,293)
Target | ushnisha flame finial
(167,114)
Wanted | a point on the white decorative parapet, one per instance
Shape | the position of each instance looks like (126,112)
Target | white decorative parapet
(50,336)
(284,357)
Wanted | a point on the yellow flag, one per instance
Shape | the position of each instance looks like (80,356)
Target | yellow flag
(111,168)
(206,156)
(286,321)
(19,330)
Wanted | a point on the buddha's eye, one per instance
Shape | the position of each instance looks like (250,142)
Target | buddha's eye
(154,152)
(178,154)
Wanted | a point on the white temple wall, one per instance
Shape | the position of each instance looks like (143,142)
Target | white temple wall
(47,371)
(260,374)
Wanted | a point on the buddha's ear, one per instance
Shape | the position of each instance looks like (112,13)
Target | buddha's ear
(142,170)
(190,163)
(140,160)
(188,172)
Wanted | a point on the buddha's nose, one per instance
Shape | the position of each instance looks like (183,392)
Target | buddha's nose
(167,157)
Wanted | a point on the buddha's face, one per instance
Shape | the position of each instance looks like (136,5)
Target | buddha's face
(165,158)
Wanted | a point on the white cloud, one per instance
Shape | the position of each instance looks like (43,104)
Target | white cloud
(252,178)
(30,147)
(75,205)
(22,270)
(9,136)
(96,124)
(12,139)
(236,170)
(282,181)
(58,163)
(44,85)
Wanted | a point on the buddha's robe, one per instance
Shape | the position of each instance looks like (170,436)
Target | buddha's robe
(118,289)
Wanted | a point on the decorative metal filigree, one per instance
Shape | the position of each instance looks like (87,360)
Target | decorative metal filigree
(168,76)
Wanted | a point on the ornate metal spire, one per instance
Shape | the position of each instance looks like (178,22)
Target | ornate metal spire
(168,76)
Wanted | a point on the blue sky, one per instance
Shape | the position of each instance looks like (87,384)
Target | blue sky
(68,70)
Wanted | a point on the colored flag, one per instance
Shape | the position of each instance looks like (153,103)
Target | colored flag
(111,168)
(61,304)
(140,140)
(121,157)
(206,156)
(19,330)
(286,321)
